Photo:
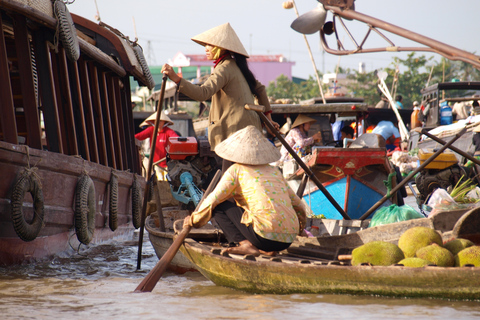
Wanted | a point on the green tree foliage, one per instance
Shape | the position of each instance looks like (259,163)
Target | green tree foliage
(411,80)
(284,88)
(365,85)
(406,77)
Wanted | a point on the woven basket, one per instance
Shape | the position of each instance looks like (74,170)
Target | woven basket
(44,6)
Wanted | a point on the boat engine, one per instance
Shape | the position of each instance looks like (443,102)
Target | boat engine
(190,157)
(429,180)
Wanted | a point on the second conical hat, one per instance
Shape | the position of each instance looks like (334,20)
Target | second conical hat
(153,117)
(222,36)
(248,146)
(301,119)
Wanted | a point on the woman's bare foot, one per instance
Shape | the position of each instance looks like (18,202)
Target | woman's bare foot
(269,253)
(244,247)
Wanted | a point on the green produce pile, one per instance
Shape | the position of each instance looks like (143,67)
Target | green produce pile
(418,247)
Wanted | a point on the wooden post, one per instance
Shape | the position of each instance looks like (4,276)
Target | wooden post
(7,108)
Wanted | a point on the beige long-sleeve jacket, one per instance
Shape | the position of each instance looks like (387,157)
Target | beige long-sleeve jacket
(229,92)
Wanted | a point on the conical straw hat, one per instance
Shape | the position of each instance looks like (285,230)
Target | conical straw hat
(153,117)
(222,36)
(301,119)
(248,146)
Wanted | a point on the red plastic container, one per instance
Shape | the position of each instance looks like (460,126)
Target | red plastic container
(178,148)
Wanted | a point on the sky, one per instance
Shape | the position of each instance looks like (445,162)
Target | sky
(164,27)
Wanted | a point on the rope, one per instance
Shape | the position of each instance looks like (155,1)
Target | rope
(388,183)
(28,170)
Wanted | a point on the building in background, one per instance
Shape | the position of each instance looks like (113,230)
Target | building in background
(266,68)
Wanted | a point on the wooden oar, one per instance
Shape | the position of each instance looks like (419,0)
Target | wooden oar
(149,172)
(260,109)
(150,281)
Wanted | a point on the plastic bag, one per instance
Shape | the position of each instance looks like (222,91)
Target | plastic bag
(394,213)
(441,200)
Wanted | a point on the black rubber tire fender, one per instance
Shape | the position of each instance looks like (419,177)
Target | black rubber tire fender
(85,209)
(113,203)
(137,204)
(66,30)
(27,182)
(143,63)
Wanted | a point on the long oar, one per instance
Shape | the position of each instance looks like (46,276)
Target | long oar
(149,172)
(150,281)
(412,174)
(259,109)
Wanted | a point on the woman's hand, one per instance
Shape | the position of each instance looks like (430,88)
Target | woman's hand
(275,124)
(317,137)
(187,222)
(168,71)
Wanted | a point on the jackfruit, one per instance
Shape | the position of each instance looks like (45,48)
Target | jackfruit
(457,245)
(418,237)
(414,262)
(470,255)
(437,255)
(377,253)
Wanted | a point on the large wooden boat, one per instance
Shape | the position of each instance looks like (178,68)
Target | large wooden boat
(312,265)
(69,165)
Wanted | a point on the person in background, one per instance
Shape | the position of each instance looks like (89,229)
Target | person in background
(336,129)
(347,133)
(475,108)
(414,117)
(398,101)
(383,103)
(476,143)
(267,215)
(162,137)
(460,111)
(231,86)
(389,131)
(298,137)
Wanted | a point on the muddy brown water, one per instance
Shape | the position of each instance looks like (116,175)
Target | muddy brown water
(97,283)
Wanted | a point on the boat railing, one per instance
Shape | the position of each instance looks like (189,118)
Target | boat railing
(79,108)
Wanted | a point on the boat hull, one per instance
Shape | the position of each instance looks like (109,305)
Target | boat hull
(353,177)
(312,265)
(306,276)
(58,175)
(162,240)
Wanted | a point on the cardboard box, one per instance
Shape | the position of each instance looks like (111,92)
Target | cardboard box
(443,161)
(178,148)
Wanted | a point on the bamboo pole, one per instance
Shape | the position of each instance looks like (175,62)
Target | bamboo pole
(311,57)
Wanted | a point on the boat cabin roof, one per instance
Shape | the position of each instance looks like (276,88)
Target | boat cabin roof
(342,109)
(459,85)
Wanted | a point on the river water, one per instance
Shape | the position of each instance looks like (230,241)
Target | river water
(97,282)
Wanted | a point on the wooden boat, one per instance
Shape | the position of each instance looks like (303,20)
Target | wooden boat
(162,240)
(312,265)
(432,97)
(68,160)
(353,176)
